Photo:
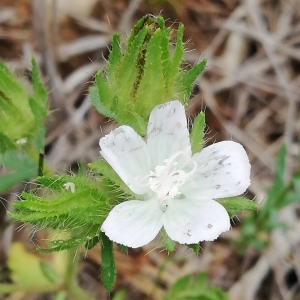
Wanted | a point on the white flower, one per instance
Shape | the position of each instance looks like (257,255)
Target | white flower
(177,190)
(70,186)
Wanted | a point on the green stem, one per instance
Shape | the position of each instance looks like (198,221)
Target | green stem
(41,163)
(6,288)
(73,289)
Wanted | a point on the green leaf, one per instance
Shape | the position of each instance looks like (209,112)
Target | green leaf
(54,183)
(5,143)
(123,248)
(128,72)
(274,198)
(115,57)
(197,134)
(196,247)
(168,244)
(60,296)
(134,120)
(120,295)
(176,58)
(92,242)
(22,168)
(49,272)
(101,96)
(194,288)
(39,139)
(186,80)
(236,204)
(39,92)
(13,90)
(38,111)
(153,78)
(103,168)
(60,245)
(108,271)
(20,262)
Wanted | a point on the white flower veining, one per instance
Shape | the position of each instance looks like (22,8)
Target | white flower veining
(177,190)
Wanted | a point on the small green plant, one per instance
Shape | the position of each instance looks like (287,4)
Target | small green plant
(192,287)
(257,227)
(22,129)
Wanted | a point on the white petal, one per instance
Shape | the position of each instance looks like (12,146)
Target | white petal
(223,171)
(127,153)
(167,132)
(133,223)
(191,221)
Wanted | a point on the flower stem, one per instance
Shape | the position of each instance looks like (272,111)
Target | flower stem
(73,289)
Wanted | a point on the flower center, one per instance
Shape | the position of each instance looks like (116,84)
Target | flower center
(166,179)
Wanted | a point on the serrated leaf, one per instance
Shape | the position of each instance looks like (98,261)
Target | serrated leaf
(14,122)
(39,92)
(134,31)
(186,79)
(13,90)
(167,243)
(115,57)
(55,183)
(108,270)
(101,96)
(153,78)
(176,58)
(197,134)
(127,74)
(60,245)
(236,204)
(38,111)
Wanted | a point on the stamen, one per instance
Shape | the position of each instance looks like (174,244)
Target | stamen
(165,180)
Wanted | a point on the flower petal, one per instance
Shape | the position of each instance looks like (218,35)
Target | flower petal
(127,154)
(133,223)
(223,171)
(191,221)
(167,132)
